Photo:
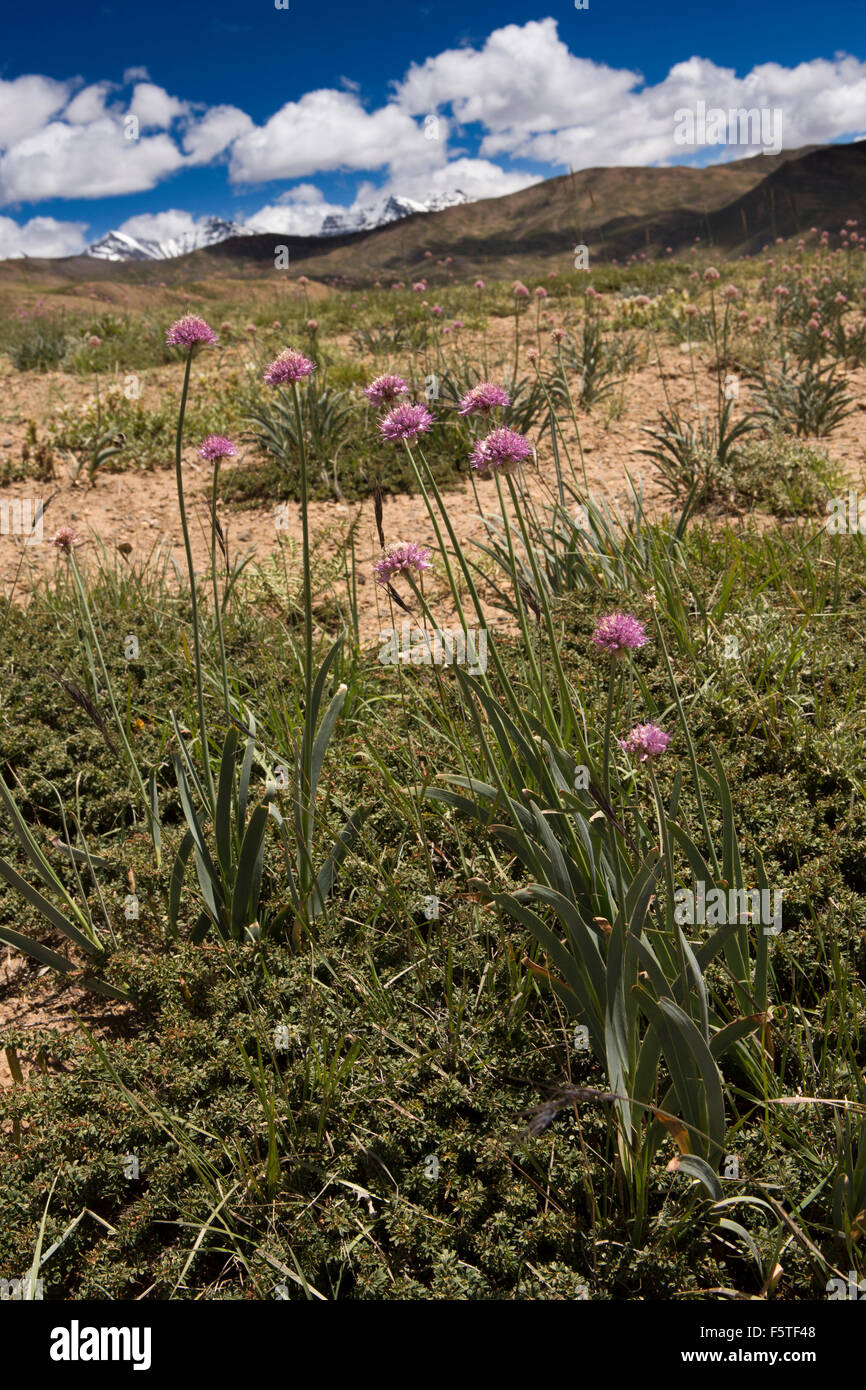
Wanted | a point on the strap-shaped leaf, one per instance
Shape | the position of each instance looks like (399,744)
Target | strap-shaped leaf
(584,940)
(224,807)
(177,876)
(328,871)
(697,1167)
(565,962)
(311,716)
(46,956)
(35,855)
(249,870)
(47,909)
(323,738)
(692,1068)
(246,771)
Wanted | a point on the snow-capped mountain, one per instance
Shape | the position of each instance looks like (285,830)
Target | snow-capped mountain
(390,209)
(120,246)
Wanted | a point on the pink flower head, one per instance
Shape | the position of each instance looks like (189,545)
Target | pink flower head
(312,325)
(289,366)
(646,740)
(541,292)
(386,389)
(276,325)
(559,335)
(618,633)
(405,422)
(731,292)
(216,446)
(190,332)
(401,558)
(437,310)
(65,539)
(483,398)
(532,354)
(480,284)
(711,274)
(94,341)
(500,452)
(519,290)
(419,286)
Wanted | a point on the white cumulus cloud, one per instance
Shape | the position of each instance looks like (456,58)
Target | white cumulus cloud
(215,132)
(89,161)
(325,130)
(27,103)
(159,226)
(154,107)
(41,236)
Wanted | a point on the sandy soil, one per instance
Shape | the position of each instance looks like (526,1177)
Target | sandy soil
(138,509)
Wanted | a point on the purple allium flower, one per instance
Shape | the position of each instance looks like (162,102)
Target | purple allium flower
(400,558)
(289,366)
(711,274)
(519,290)
(500,452)
(216,446)
(65,539)
(483,398)
(618,633)
(312,324)
(94,341)
(386,389)
(646,740)
(405,422)
(189,331)
(480,284)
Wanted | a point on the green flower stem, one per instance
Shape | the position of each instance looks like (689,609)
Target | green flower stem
(467,574)
(538,680)
(216,595)
(202,725)
(307,741)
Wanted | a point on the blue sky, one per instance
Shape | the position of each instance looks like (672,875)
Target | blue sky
(151,116)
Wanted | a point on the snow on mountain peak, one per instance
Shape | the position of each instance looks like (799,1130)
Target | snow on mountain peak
(121,246)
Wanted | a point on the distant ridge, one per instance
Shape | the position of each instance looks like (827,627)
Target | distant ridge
(735,209)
